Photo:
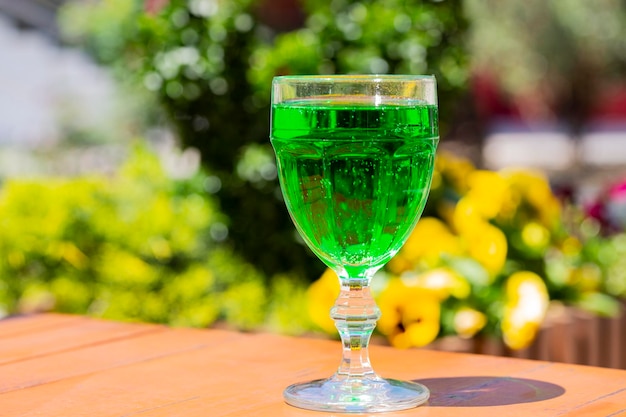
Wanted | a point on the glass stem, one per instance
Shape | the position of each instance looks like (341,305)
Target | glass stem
(355,314)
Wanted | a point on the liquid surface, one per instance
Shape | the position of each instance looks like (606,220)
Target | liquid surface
(355,176)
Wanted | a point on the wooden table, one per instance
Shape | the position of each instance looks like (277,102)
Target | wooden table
(68,366)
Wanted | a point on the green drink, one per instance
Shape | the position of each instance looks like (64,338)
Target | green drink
(355,176)
(355,159)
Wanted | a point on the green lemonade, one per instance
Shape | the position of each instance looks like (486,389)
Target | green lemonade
(355,174)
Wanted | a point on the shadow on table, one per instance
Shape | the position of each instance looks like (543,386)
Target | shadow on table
(481,391)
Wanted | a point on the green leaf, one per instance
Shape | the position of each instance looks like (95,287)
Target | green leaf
(598,303)
(471,270)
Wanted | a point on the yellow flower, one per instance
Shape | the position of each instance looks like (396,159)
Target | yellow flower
(488,191)
(535,236)
(571,246)
(399,264)
(488,245)
(550,212)
(410,314)
(390,302)
(321,296)
(586,277)
(455,170)
(520,335)
(436,181)
(468,322)
(533,187)
(430,238)
(467,216)
(443,283)
(531,183)
(526,305)
(526,287)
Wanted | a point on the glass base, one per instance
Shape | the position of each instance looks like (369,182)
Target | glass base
(356,395)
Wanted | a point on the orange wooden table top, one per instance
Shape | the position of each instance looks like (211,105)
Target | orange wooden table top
(57,365)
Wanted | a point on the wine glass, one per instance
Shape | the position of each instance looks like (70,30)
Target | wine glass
(355,159)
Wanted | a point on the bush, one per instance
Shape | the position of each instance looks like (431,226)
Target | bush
(209,63)
(136,246)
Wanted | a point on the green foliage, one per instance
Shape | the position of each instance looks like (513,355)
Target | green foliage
(593,275)
(136,246)
(287,310)
(367,36)
(209,63)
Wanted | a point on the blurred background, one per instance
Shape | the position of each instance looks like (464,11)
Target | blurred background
(137,181)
